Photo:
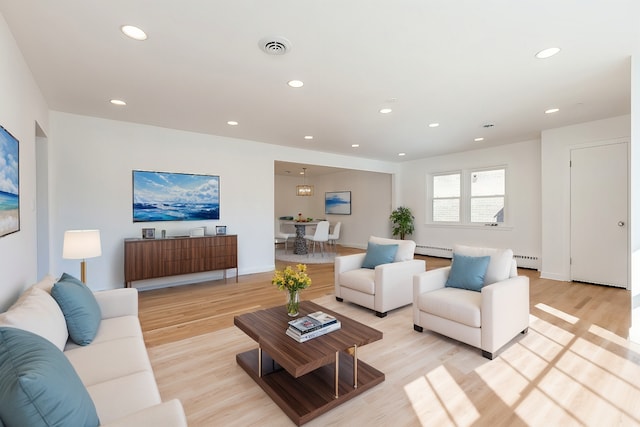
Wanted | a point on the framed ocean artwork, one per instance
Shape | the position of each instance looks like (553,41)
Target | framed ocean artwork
(337,202)
(169,196)
(9,183)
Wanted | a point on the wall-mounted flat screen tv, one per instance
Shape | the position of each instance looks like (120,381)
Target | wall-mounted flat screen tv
(168,196)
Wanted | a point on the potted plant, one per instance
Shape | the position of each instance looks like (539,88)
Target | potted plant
(402,220)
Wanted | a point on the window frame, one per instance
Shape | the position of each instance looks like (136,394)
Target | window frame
(465,199)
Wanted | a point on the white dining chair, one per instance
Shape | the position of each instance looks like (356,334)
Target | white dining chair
(321,236)
(335,235)
(280,235)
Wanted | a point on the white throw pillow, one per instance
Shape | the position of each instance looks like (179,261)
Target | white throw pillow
(46,284)
(499,266)
(36,311)
(406,248)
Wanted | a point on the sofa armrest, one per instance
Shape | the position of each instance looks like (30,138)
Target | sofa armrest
(345,263)
(427,281)
(118,302)
(393,283)
(505,311)
(167,414)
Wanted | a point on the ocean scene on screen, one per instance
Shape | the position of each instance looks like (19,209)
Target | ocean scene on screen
(337,203)
(166,196)
(9,184)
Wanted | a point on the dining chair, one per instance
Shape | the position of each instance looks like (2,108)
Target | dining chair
(321,236)
(335,235)
(279,234)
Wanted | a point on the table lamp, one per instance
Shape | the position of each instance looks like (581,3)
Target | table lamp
(81,244)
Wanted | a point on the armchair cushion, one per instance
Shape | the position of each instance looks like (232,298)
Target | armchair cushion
(499,266)
(467,272)
(379,254)
(457,305)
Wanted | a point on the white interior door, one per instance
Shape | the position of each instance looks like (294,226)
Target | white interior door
(599,210)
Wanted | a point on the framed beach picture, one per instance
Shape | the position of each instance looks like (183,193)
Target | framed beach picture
(9,183)
(337,202)
(168,196)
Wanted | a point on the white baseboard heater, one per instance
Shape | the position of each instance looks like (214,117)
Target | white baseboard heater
(524,261)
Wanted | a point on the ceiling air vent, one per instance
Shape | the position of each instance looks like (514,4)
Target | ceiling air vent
(275,45)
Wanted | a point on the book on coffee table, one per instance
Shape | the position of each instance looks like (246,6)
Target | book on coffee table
(312,322)
(302,337)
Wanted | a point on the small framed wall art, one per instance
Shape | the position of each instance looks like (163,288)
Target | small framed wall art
(337,203)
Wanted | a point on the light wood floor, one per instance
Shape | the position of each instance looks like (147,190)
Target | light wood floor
(575,367)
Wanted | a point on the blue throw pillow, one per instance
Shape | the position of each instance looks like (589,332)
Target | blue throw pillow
(379,254)
(80,308)
(38,385)
(468,272)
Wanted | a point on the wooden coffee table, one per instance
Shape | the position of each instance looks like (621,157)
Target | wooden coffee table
(307,379)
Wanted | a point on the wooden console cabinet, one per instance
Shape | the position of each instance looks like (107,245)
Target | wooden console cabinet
(152,258)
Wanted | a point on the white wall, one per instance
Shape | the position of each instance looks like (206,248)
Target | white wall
(21,107)
(522,230)
(634,189)
(556,214)
(91,164)
(371,200)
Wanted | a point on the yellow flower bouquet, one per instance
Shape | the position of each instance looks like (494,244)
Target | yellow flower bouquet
(292,281)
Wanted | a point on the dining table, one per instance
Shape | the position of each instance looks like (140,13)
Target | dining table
(300,243)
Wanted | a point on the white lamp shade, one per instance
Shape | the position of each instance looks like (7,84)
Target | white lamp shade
(81,244)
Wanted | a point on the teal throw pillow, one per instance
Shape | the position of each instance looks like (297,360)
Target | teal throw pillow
(468,272)
(38,385)
(80,308)
(379,254)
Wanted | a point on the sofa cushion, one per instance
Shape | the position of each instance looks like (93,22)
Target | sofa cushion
(467,272)
(459,305)
(499,266)
(360,279)
(80,308)
(406,248)
(36,311)
(38,385)
(113,329)
(379,254)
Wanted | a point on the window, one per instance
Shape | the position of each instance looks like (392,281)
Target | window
(469,197)
(487,196)
(446,198)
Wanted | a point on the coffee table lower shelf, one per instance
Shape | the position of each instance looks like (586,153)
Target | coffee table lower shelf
(313,394)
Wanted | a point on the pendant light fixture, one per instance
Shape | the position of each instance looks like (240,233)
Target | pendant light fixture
(304,189)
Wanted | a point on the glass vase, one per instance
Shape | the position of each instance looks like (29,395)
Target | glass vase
(293,302)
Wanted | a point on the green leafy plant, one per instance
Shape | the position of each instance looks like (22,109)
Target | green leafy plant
(402,220)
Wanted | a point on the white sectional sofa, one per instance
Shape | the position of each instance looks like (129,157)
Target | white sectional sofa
(114,368)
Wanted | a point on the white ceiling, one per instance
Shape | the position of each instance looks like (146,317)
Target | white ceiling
(462,64)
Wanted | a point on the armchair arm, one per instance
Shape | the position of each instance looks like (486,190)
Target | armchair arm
(505,311)
(426,282)
(117,302)
(393,283)
(167,414)
(346,263)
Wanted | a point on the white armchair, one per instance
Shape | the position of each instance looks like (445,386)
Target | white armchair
(383,288)
(487,319)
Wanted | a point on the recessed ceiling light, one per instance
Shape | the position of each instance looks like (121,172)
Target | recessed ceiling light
(547,53)
(402,154)
(479,139)
(385,110)
(232,123)
(118,102)
(295,83)
(434,125)
(552,110)
(308,137)
(355,145)
(133,32)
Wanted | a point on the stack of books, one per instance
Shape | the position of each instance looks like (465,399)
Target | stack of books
(312,325)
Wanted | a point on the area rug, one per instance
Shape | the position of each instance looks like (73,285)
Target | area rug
(328,257)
